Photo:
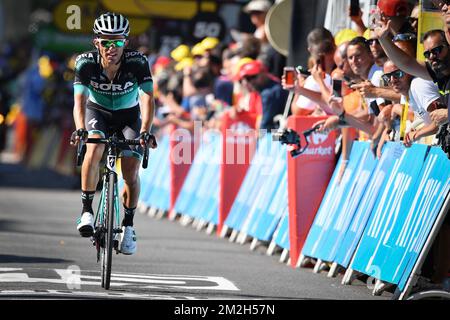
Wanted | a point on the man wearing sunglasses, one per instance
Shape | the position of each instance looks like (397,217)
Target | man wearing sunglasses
(113,92)
(421,96)
(436,67)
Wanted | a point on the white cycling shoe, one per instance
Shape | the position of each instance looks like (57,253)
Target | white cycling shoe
(85,225)
(128,241)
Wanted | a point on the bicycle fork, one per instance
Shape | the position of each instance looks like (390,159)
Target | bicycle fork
(98,239)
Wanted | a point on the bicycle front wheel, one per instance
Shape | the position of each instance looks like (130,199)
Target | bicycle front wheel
(109,234)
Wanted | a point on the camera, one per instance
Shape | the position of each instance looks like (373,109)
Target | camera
(291,137)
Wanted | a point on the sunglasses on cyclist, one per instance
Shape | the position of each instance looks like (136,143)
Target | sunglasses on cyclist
(436,51)
(397,74)
(119,43)
(404,37)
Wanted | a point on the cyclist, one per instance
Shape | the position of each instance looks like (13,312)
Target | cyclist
(113,92)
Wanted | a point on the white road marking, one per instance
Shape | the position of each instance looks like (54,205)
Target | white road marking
(88,294)
(65,276)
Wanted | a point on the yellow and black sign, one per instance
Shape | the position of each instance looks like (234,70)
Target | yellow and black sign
(429,19)
(173,9)
(77,16)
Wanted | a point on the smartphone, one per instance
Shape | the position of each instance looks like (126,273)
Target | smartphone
(337,88)
(375,108)
(289,75)
(354,8)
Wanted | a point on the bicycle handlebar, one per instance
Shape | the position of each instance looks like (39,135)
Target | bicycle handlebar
(81,150)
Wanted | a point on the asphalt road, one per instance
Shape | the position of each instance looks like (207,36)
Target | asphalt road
(42,256)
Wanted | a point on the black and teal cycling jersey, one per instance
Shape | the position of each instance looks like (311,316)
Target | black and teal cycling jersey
(132,78)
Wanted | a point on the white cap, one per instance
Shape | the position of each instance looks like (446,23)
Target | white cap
(258,5)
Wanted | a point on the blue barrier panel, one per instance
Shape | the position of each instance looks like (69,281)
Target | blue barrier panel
(414,230)
(207,164)
(266,217)
(270,180)
(250,186)
(194,176)
(373,249)
(209,190)
(346,212)
(334,199)
(147,175)
(281,234)
(384,167)
(265,225)
(157,194)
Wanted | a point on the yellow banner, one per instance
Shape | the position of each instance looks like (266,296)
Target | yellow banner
(429,19)
(77,16)
(183,10)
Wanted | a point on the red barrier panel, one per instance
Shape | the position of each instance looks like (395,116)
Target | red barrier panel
(182,152)
(238,148)
(308,177)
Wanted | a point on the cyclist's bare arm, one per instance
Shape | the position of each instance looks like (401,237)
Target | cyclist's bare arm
(147,106)
(79,111)
(402,60)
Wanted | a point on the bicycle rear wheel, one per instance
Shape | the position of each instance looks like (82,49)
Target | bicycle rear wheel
(108,235)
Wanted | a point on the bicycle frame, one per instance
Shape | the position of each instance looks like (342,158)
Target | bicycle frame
(111,173)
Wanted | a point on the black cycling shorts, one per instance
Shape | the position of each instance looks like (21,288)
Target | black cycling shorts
(126,122)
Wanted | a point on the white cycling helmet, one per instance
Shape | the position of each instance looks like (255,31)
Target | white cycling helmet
(111,24)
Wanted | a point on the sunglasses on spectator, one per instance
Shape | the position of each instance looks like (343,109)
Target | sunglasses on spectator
(436,51)
(373,42)
(404,37)
(119,43)
(440,3)
(397,74)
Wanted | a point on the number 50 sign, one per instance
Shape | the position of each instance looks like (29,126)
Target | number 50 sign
(207,24)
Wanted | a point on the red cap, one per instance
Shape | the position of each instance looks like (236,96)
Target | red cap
(393,8)
(251,69)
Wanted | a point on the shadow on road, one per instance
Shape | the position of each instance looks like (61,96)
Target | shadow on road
(19,176)
(7,258)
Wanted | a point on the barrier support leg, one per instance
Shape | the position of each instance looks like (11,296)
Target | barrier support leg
(318,267)
(233,236)
(173,215)
(160,214)
(211,228)
(350,276)
(334,270)
(142,208)
(271,248)
(243,238)
(225,232)
(288,262)
(302,261)
(380,287)
(200,225)
(152,212)
(254,244)
(185,220)
(284,255)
